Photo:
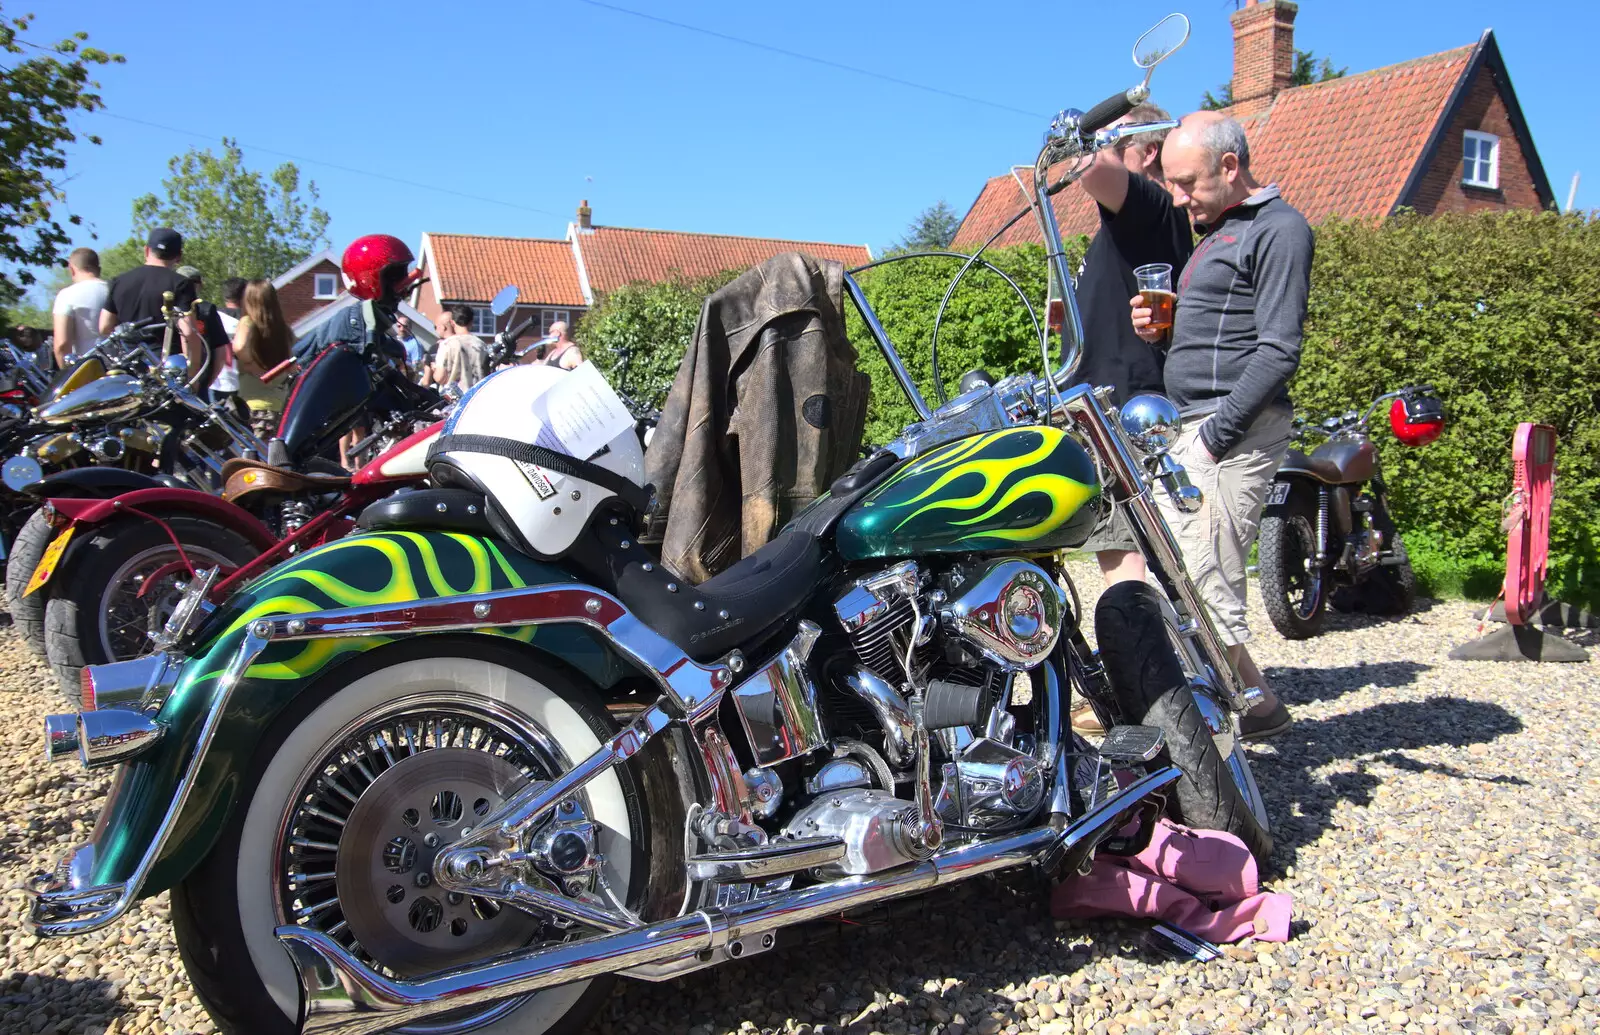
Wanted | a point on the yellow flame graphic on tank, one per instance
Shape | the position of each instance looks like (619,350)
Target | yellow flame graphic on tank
(993,473)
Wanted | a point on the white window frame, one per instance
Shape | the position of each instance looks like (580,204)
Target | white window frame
(551,316)
(317,280)
(1478,139)
(483,323)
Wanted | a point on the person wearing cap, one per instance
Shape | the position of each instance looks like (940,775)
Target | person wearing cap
(135,296)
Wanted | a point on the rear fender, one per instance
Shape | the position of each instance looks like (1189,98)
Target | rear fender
(163,501)
(382,569)
(1302,493)
(91,483)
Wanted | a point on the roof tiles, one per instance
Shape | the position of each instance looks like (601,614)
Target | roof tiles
(614,256)
(468,268)
(1343,147)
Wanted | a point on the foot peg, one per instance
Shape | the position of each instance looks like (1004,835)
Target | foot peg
(1132,744)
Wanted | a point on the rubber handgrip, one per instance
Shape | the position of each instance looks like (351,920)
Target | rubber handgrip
(1105,113)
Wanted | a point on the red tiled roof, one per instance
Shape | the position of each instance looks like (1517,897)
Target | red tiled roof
(614,256)
(468,268)
(1343,147)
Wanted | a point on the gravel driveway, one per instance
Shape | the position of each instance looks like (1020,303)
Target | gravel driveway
(1435,823)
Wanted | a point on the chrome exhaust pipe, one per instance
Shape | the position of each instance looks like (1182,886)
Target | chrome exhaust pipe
(342,995)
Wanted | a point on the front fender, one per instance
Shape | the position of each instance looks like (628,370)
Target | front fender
(169,501)
(373,568)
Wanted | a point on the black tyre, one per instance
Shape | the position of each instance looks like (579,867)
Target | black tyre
(1218,790)
(27,612)
(1293,590)
(375,725)
(96,614)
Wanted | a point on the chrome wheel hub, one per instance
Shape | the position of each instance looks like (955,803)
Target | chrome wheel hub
(384,866)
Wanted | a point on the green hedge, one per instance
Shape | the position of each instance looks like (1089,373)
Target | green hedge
(1500,311)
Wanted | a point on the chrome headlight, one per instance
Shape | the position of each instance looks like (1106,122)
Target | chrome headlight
(1152,421)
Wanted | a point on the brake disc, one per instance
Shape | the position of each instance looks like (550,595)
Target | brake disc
(384,866)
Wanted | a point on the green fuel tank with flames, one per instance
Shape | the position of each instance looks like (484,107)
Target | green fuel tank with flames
(1027,490)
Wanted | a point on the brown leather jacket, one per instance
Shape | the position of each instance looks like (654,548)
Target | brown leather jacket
(766,411)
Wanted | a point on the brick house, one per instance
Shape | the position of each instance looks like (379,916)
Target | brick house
(1442,133)
(310,286)
(560,279)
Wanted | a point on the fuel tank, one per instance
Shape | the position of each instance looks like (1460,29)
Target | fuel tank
(1019,490)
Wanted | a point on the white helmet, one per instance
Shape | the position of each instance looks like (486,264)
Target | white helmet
(546,447)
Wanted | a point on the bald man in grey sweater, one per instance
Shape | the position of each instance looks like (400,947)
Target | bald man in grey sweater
(1236,340)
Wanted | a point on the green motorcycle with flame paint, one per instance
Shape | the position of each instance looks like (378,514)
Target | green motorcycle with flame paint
(419,779)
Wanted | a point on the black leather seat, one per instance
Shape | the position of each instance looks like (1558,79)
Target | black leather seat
(443,510)
(758,599)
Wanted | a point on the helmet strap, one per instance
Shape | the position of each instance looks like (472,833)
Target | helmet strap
(640,498)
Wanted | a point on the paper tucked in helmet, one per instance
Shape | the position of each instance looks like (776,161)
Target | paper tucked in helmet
(540,510)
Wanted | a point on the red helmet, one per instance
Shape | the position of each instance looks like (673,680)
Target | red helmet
(378,267)
(1417,419)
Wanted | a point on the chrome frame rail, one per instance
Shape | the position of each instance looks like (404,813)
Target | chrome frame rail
(341,995)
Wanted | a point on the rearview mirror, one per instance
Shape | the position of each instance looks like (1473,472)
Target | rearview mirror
(503,301)
(1160,41)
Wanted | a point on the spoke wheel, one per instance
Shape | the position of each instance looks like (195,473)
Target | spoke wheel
(1294,590)
(140,597)
(358,785)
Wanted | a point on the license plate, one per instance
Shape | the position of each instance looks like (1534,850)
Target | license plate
(1277,494)
(52,557)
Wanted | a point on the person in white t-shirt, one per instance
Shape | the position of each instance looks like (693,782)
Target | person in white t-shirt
(225,385)
(77,307)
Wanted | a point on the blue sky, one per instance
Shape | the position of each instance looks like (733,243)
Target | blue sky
(529,106)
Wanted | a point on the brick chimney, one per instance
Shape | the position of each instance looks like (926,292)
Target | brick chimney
(585,215)
(1263,53)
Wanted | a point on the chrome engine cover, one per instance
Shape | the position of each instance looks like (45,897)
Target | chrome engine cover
(1011,614)
(877,828)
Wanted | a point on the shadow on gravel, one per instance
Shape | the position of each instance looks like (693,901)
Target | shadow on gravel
(36,1002)
(970,940)
(1299,685)
(1377,734)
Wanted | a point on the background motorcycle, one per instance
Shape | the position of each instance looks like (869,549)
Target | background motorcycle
(1327,533)
(465,788)
(127,559)
(133,415)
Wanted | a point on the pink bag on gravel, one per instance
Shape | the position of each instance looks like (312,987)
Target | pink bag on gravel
(1203,881)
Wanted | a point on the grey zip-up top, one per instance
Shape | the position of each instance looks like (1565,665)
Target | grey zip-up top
(1241,309)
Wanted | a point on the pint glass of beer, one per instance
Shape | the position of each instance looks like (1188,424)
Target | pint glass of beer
(1155,284)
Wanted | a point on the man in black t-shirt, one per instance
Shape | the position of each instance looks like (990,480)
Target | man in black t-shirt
(1138,224)
(138,294)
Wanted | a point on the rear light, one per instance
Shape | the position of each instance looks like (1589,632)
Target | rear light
(86,687)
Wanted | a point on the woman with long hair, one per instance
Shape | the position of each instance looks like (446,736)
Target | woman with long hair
(261,341)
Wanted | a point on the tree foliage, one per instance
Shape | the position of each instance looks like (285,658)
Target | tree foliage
(41,95)
(1306,71)
(933,229)
(637,334)
(235,221)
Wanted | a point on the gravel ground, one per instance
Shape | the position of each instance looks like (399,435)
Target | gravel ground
(1435,823)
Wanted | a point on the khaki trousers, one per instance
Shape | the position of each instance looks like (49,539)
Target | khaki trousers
(1216,538)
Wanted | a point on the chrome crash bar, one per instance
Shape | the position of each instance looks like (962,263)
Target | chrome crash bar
(342,996)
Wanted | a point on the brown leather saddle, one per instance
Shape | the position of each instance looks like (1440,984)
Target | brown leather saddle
(242,478)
